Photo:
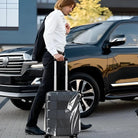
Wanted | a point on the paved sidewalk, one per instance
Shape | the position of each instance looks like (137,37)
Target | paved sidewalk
(113,119)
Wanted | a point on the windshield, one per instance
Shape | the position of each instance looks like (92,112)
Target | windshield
(91,35)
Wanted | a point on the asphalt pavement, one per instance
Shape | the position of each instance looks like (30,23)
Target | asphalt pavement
(112,119)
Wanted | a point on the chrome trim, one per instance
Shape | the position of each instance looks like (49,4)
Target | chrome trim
(124,47)
(39,65)
(11,64)
(36,81)
(16,95)
(124,84)
(118,39)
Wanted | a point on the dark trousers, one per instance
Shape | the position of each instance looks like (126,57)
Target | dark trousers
(46,85)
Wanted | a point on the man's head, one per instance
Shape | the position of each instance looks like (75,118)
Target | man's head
(66,6)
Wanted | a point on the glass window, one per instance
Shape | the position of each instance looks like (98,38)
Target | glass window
(2,6)
(53,1)
(47,1)
(12,14)
(92,35)
(2,1)
(40,19)
(130,30)
(12,6)
(2,17)
(9,13)
(12,1)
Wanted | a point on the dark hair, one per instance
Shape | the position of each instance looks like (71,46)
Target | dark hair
(62,3)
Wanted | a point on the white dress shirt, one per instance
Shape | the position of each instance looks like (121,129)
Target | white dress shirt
(55,32)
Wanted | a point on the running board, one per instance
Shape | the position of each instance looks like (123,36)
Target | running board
(124,84)
(122,95)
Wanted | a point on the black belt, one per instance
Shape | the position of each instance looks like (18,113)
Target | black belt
(60,52)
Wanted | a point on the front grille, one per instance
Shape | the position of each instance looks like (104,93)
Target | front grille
(11,64)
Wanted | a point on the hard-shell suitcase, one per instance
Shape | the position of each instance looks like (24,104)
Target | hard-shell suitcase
(62,116)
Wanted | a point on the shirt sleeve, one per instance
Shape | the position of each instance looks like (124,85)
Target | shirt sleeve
(50,25)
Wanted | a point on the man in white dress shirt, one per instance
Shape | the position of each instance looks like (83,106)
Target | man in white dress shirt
(56,29)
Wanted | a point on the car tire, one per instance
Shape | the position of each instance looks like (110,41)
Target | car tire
(89,90)
(24,104)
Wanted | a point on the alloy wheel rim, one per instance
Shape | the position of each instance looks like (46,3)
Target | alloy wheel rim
(86,91)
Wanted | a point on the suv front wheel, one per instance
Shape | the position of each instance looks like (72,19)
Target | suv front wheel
(89,90)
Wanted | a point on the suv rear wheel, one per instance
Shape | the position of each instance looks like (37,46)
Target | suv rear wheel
(24,104)
(89,90)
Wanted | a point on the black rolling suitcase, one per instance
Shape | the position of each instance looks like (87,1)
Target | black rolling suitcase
(62,116)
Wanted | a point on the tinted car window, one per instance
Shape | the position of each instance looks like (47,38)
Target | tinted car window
(72,36)
(130,30)
(92,35)
(75,31)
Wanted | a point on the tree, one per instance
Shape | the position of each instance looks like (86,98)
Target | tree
(88,11)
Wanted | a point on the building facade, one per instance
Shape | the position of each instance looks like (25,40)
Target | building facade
(20,19)
(118,7)
(18,24)
(122,7)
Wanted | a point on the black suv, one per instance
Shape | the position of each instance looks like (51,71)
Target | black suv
(103,64)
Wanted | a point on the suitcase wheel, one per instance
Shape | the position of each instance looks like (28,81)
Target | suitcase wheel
(48,136)
(73,136)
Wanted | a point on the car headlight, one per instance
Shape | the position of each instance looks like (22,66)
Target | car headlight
(39,65)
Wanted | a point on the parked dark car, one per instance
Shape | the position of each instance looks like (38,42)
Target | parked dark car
(103,64)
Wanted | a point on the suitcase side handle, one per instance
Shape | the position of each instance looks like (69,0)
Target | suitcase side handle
(66,75)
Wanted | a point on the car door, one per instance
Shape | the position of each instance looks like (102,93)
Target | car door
(123,59)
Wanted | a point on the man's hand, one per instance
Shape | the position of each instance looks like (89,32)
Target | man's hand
(59,57)
(67,26)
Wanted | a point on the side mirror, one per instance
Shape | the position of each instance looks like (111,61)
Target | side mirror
(117,40)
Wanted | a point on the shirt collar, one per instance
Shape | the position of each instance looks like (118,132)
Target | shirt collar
(61,13)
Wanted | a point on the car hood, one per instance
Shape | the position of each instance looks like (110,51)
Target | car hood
(72,51)
(27,50)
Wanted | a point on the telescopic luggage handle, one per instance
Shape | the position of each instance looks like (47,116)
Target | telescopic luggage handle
(66,75)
